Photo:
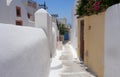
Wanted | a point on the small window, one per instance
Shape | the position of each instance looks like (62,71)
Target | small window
(18,11)
(19,22)
(28,15)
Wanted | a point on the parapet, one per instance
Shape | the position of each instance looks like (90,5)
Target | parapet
(24,52)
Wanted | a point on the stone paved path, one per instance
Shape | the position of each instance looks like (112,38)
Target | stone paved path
(66,64)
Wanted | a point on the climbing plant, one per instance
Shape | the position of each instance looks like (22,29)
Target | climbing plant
(89,7)
(62,29)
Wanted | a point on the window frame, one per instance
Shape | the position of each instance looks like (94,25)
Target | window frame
(18,11)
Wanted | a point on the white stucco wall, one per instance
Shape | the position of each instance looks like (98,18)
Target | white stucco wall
(27,51)
(44,20)
(41,19)
(3,12)
(62,21)
(24,52)
(31,23)
(8,12)
(112,42)
(31,11)
(74,30)
(54,37)
(54,41)
(12,13)
(56,28)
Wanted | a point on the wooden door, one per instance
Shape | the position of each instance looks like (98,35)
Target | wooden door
(82,39)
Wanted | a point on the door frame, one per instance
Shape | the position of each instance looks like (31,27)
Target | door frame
(82,40)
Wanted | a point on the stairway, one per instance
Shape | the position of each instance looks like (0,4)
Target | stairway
(65,64)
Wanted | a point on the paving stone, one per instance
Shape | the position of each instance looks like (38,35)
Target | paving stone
(66,65)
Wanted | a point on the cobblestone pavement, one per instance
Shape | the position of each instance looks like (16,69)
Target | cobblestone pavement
(66,64)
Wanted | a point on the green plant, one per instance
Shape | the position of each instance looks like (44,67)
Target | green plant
(62,29)
(89,7)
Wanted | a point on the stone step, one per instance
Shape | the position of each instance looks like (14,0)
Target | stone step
(66,57)
(76,74)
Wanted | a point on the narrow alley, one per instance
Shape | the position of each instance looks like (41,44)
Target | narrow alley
(59,38)
(66,64)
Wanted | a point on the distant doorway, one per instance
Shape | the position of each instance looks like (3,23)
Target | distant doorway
(82,39)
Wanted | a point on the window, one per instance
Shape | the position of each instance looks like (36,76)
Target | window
(19,22)
(28,15)
(18,11)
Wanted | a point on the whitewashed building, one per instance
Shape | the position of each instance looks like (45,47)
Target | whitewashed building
(28,50)
(74,30)
(62,21)
(22,13)
(18,12)
(25,54)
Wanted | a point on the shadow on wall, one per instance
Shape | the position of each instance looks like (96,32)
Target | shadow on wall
(22,57)
(28,56)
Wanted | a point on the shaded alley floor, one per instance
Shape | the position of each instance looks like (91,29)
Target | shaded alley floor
(66,64)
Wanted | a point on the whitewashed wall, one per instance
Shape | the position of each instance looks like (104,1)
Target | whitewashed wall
(54,37)
(24,52)
(112,42)
(53,41)
(31,23)
(44,20)
(3,12)
(8,12)
(74,30)
(56,29)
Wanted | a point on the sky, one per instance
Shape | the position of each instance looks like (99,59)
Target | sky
(61,7)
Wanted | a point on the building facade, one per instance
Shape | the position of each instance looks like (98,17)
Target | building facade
(74,29)
(91,42)
(88,36)
(62,21)
(18,12)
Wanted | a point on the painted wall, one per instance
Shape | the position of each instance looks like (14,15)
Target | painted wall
(94,42)
(54,38)
(112,42)
(8,12)
(22,56)
(3,12)
(62,21)
(74,29)
(44,20)
(8,16)
(31,10)
(54,41)
(24,52)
